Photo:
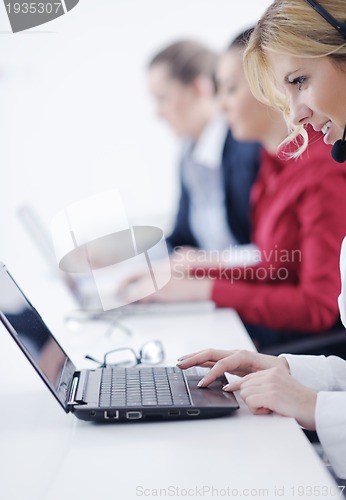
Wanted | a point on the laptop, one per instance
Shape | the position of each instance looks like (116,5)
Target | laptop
(111,394)
(82,287)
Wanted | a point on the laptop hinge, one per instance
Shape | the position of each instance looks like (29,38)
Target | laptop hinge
(81,387)
(71,400)
(78,386)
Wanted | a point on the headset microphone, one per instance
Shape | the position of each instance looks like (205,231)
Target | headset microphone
(339,149)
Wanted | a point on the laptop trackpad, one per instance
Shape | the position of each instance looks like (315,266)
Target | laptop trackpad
(213,395)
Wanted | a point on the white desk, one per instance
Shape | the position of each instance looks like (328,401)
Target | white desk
(48,455)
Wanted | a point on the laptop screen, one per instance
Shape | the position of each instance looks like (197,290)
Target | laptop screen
(33,336)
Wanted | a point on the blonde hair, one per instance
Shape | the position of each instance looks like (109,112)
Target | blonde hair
(291,27)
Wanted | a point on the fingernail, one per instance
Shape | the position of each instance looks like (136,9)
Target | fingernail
(181,358)
(200,383)
(179,362)
(226,387)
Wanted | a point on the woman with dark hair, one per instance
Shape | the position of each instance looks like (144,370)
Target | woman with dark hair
(216,171)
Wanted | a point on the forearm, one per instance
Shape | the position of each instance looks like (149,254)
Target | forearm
(279,306)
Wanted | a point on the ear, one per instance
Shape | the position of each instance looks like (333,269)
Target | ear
(203,86)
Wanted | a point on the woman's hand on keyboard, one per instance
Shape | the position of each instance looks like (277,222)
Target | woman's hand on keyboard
(237,362)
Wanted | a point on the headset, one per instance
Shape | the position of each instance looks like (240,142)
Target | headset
(339,148)
(338,25)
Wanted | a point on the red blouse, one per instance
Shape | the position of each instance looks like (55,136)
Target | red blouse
(299,221)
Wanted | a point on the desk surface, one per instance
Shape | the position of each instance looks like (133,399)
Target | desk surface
(49,455)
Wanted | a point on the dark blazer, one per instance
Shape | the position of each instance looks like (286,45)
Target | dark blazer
(240,164)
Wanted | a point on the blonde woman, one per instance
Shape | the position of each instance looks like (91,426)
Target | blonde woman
(296,61)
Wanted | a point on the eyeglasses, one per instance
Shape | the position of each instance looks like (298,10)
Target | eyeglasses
(151,353)
(338,25)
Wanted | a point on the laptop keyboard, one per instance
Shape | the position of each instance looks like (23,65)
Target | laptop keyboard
(129,387)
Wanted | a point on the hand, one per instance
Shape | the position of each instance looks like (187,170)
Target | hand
(274,390)
(131,280)
(185,259)
(176,290)
(141,274)
(266,385)
(237,362)
(182,261)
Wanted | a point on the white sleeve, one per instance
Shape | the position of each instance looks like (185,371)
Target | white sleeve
(342,296)
(331,428)
(323,374)
(319,373)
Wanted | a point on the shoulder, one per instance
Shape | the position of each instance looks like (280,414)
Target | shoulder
(235,151)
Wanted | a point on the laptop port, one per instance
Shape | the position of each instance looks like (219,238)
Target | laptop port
(174,413)
(193,413)
(111,414)
(133,415)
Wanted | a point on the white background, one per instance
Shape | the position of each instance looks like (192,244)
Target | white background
(76,118)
